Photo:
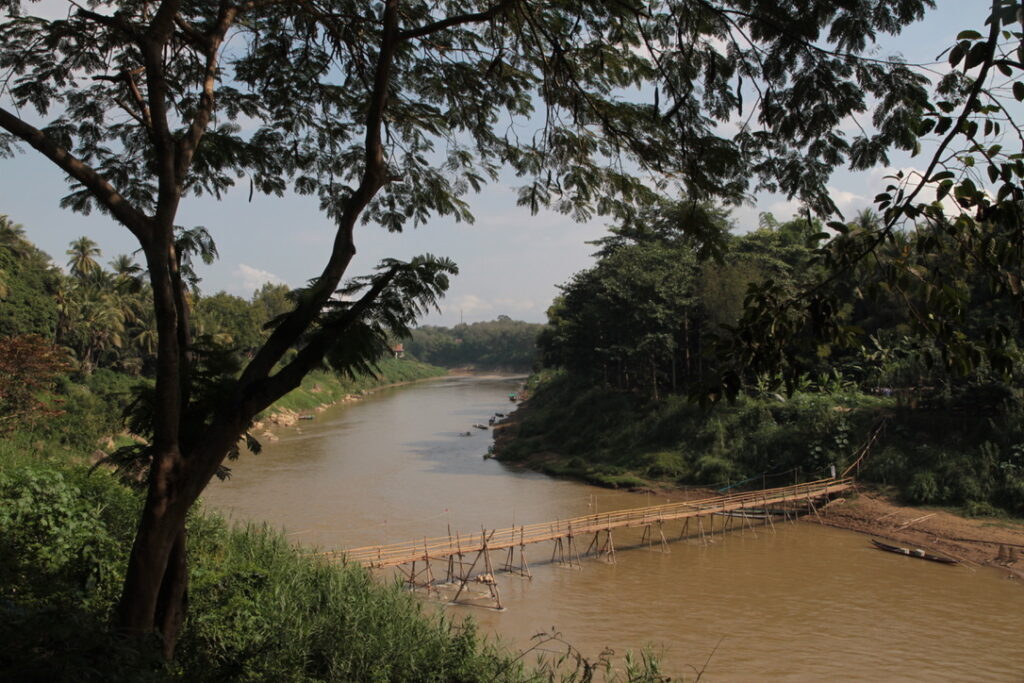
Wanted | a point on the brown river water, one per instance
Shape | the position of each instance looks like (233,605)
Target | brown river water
(802,603)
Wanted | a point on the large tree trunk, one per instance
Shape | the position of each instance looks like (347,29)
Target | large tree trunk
(155,580)
(172,600)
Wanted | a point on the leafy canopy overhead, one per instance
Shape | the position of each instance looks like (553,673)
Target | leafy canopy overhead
(580,99)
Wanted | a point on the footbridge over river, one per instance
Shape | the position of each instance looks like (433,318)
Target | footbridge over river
(458,563)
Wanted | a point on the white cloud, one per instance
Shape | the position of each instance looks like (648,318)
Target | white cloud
(248,278)
(470,307)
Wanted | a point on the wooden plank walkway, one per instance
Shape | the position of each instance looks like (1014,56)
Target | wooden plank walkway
(440,548)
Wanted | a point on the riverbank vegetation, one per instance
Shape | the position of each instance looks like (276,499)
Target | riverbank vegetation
(632,342)
(262,610)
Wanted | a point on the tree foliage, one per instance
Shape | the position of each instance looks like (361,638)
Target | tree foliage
(392,113)
(29,366)
(947,238)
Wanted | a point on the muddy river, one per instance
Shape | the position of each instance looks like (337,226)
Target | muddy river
(800,603)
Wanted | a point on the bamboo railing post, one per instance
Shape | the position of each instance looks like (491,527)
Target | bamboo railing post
(524,567)
(593,543)
(430,572)
(465,578)
(811,503)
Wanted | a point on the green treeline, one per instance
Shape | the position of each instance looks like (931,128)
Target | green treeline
(95,330)
(637,347)
(502,344)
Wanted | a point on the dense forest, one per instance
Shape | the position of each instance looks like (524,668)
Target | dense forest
(502,344)
(637,346)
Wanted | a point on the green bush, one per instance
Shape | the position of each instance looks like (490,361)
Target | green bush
(62,537)
(261,611)
(923,488)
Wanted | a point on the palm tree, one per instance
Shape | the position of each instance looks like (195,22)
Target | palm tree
(127,274)
(82,264)
(12,238)
(868,219)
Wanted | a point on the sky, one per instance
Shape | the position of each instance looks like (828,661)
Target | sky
(511,263)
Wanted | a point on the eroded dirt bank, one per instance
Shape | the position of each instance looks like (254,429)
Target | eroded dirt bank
(974,541)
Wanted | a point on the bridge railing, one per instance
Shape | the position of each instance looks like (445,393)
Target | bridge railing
(445,546)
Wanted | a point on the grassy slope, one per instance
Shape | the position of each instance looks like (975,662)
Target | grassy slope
(323,388)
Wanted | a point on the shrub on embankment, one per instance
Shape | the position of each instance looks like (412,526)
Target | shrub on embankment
(324,387)
(941,454)
(259,609)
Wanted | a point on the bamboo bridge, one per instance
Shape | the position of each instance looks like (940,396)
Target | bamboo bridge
(461,560)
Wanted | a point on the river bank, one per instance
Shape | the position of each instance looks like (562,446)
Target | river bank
(321,390)
(986,542)
(996,542)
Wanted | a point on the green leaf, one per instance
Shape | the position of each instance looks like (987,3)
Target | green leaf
(978,54)
(956,54)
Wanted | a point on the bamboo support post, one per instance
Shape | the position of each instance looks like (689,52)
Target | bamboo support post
(686,527)
(746,519)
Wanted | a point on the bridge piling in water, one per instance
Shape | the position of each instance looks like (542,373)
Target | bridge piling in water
(563,534)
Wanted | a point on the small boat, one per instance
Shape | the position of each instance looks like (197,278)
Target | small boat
(913,552)
(306,417)
(480,426)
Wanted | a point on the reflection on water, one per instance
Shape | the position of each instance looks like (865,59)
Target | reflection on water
(800,604)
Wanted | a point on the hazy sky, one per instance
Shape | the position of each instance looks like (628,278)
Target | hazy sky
(511,262)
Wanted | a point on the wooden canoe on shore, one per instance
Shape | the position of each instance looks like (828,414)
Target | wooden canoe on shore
(912,552)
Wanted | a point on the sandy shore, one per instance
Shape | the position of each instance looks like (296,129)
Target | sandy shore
(979,541)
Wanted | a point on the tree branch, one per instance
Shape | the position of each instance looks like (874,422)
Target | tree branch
(117,22)
(458,20)
(312,354)
(157,36)
(374,177)
(128,76)
(211,41)
(133,219)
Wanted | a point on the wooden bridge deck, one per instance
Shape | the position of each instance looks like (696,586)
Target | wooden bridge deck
(441,548)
